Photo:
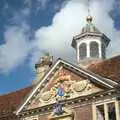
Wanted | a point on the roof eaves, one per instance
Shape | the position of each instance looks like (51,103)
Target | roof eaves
(90,74)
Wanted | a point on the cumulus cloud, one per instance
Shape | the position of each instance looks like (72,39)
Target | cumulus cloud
(68,22)
(15,48)
(57,37)
(105,23)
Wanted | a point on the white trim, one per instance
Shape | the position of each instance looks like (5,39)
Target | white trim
(78,53)
(37,88)
(109,80)
(100,50)
(94,115)
(88,49)
(106,111)
(17,112)
(89,75)
(117,107)
(105,104)
(110,100)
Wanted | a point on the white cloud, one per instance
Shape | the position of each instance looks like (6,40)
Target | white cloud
(57,37)
(68,22)
(105,23)
(15,49)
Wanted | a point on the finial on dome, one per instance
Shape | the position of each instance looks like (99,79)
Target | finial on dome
(89,19)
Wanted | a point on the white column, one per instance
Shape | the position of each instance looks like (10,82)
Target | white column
(117,110)
(88,48)
(94,112)
(78,53)
(100,49)
(106,111)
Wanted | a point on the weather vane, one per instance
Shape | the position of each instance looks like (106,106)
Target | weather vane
(88,7)
(89,17)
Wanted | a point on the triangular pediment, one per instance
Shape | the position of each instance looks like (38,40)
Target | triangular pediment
(64,81)
(64,85)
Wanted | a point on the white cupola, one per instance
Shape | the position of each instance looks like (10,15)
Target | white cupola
(90,44)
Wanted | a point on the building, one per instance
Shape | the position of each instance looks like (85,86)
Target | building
(88,90)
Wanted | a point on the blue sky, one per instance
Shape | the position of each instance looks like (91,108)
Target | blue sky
(29,27)
(40,15)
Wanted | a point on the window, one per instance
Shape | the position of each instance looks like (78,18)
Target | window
(100,112)
(106,111)
(94,49)
(83,51)
(111,111)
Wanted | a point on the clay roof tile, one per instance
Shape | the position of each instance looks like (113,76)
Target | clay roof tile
(9,102)
(109,68)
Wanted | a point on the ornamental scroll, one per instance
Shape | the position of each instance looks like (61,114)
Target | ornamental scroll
(65,88)
(62,87)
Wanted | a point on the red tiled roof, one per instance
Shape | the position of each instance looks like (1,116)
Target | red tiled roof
(109,68)
(9,102)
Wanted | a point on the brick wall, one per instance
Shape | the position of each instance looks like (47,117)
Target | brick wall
(80,113)
(83,113)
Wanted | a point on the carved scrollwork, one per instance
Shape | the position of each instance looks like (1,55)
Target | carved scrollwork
(66,89)
(80,86)
(46,96)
